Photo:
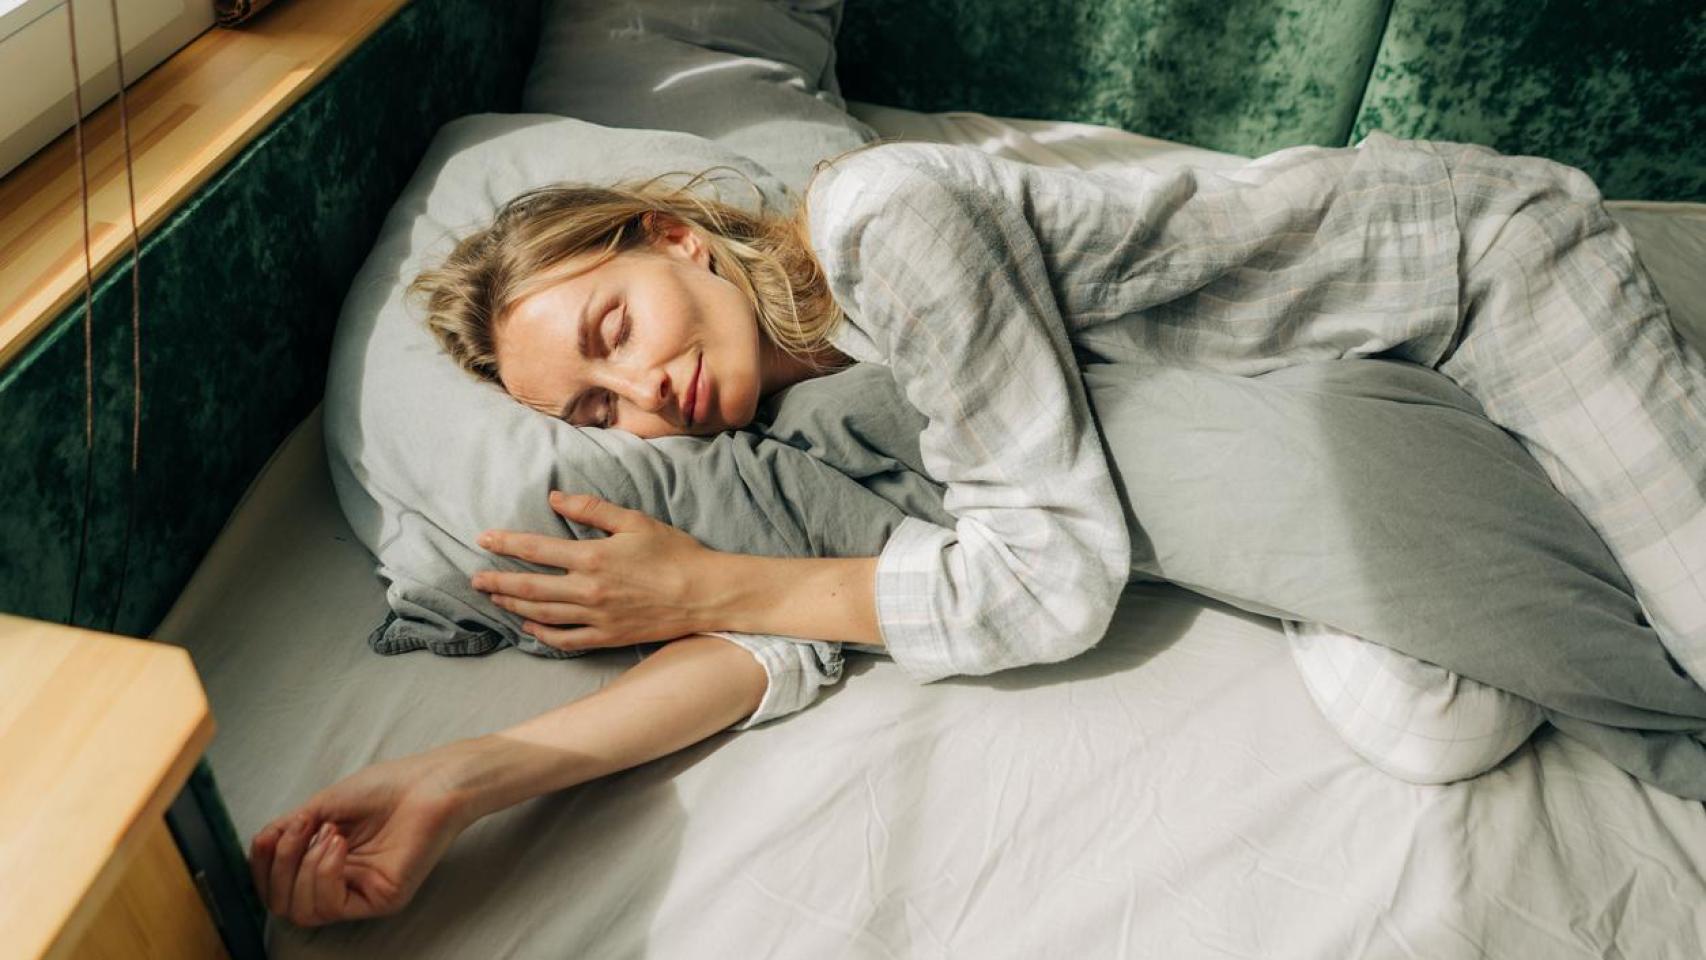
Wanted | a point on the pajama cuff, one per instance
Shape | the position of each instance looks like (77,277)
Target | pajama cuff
(908,570)
(794,670)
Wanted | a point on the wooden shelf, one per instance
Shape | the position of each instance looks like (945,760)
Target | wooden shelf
(188,118)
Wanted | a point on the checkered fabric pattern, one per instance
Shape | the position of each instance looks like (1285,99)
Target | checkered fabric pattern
(984,282)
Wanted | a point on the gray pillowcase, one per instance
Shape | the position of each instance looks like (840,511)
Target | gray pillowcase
(1370,495)
(1374,496)
(757,76)
(424,457)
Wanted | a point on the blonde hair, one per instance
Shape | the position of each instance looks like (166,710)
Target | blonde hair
(528,245)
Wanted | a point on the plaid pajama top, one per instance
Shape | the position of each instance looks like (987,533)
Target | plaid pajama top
(983,283)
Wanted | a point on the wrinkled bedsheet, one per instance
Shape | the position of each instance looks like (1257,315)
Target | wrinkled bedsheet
(1173,793)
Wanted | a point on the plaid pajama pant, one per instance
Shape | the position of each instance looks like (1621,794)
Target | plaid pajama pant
(1567,344)
(1550,322)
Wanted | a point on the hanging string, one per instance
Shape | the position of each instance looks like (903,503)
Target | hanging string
(88,308)
(88,314)
(135,327)
(88,257)
(135,257)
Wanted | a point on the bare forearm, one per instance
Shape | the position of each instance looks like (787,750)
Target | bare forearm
(830,599)
(683,693)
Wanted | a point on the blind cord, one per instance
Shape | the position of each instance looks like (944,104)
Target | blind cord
(135,324)
(88,315)
(89,309)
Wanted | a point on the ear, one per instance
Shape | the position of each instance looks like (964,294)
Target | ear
(675,238)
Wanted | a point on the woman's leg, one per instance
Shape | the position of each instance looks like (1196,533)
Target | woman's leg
(1566,343)
(1412,719)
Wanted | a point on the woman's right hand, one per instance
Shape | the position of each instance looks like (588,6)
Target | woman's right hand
(361,847)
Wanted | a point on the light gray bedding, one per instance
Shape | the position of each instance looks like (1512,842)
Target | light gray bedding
(1172,793)
(1493,575)
(1370,495)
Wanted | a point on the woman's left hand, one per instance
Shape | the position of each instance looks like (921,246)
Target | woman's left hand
(646,581)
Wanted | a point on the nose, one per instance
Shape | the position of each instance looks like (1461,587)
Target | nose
(648,390)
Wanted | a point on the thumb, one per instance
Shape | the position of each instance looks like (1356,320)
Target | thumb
(594,512)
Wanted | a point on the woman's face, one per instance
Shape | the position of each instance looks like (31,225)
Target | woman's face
(650,341)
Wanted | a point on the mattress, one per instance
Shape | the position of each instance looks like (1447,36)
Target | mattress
(1172,793)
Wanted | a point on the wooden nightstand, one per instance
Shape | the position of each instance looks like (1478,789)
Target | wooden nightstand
(98,735)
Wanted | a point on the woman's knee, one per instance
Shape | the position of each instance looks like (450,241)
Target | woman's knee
(1408,718)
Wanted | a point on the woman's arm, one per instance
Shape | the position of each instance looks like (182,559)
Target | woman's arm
(678,696)
(647,581)
(831,599)
(362,847)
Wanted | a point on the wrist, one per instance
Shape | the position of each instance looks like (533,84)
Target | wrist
(482,775)
(728,595)
(809,598)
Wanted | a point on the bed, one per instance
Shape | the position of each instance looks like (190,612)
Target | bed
(1172,793)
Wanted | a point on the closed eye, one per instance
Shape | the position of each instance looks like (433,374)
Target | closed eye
(622,331)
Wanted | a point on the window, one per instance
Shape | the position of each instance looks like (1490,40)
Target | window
(36,103)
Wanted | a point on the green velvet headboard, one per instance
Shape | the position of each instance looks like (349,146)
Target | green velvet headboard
(242,286)
(1616,87)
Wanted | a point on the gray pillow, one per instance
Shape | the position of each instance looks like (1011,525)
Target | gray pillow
(424,457)
(1370,495)
(757,76)
(1374,496)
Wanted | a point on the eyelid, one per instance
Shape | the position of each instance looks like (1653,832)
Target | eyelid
(623,330)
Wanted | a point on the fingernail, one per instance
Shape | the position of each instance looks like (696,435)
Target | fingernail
(556,496)
(485,540)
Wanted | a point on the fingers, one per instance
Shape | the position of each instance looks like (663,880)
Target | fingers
(292,843)
(547,551)
(261,850)
(593,512)
(319,893)
(543,587)
(571,638)
(330,891)
(544,612)
(303,895)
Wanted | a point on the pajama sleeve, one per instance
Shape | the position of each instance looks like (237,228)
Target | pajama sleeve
(944,280)
(794,670)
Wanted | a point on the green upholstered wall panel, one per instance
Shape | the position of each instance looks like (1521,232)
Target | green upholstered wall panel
(1248,76)
(1616,88)
(241,289)
(44,465)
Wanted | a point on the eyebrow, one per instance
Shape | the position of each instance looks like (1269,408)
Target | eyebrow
(583,338)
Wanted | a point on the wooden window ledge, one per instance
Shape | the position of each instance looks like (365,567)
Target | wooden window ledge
(188,117)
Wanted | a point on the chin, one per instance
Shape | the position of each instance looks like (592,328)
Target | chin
(746,411)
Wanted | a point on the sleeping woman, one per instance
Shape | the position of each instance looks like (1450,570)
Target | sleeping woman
(984,285)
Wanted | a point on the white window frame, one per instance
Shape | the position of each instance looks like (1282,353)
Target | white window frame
(36,102)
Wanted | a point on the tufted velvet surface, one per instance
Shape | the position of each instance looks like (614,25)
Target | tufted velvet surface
(1616,88)
(1244,76)
(241,289)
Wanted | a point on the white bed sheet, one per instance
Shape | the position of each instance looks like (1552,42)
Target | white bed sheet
(1171,794)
